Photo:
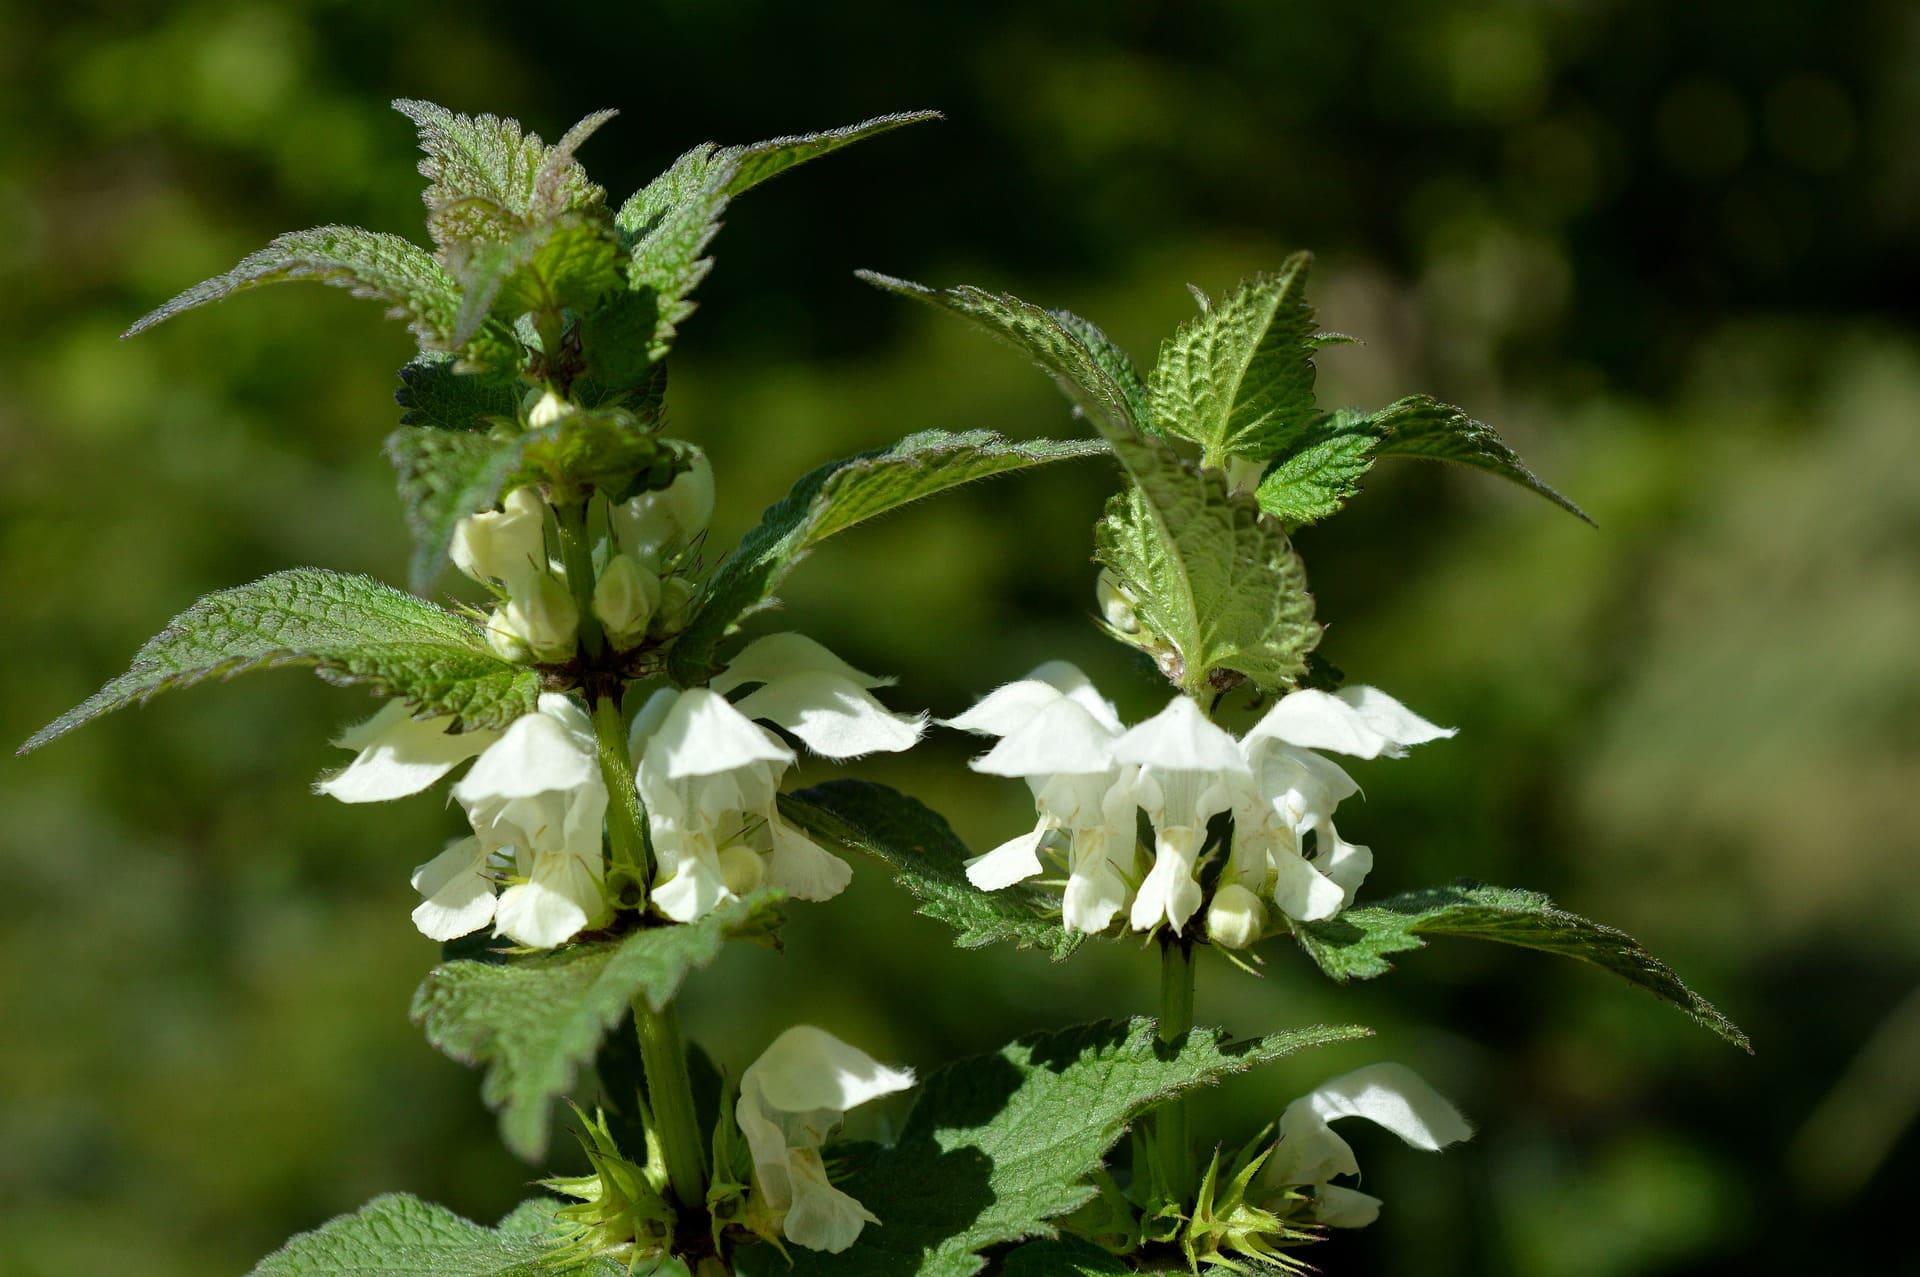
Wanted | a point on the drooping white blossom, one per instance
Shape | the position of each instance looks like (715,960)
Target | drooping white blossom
(791,1098)
(1310,1154)
(537,617)
(652,527)
(709,773)
(398,754)
(536,796)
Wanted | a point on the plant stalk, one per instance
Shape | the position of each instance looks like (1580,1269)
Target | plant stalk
(626,818)
(576,551)
(1170,1132)
(663,1054)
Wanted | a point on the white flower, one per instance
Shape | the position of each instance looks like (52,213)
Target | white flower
(1057,733)
(1187,766)
(537,794)
(398,755)
(812,693)
(625,598)
(1290,791)
(653,524)
(1310,1154)
(506,544)
(790,1099)
(458,890)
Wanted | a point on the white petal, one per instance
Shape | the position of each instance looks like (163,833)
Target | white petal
(1066,676)
(652,713)
(1345,864)
(1180,738)
(1393,1096)
(702,735)
(1015,860)
(1007,708)
(550,909)
(834,715)
(399,755)
(821,1217)
(1360,721)
(1095,894)
(1169,892)
(1062,739)
(690,883)
(777,656)
(1304,893)
(807,1068)
(459,897)
(801,867)
(1338,1207)
(539,753)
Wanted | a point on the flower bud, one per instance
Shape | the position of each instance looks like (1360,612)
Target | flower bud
(651,522)
(625,598)
(502,545)
(507,643)
(1116,603)
(550,408)
(741,868)
(1236,918)
(542,611)
(676,602)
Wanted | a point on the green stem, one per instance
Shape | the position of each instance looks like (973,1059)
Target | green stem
(576,551)
(631,867)
(1170,1132)
(670,1091)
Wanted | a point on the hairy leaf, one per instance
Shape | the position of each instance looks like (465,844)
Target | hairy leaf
(834,497)
(1323,473)
(570,263)
(351,629)
(759,161)
(433,392)
(1356,944)
(929,860)
(1208,575)
(534,1022)
(1419,426)
(998,1145)
(1114,362)
(401,1236)
(1052,339)
(370,264)
(1237,378)
(668,226)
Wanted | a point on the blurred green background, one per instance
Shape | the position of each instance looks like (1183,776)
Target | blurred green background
(1672,251)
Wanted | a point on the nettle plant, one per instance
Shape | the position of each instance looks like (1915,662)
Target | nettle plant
(624,747)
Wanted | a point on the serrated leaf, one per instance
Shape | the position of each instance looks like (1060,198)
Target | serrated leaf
(1238,377)
(535,1022)
(434,393)
(998,1145)
(1319,477)
(1356,944)
(1420,426)
(489,180)
(401,1236)
(929,860)
(834,497)
(1112,360)
(571,263)
(1208,575)
(668,225)
(1050,338)
(755,163)
(446,475)
(370,264)
(351,629)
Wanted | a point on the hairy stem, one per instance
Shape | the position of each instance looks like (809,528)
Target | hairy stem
(1170,1134)
(670,1091)
(576,551)
(631,867)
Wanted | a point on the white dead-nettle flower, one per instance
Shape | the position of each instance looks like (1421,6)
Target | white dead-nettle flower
(1056,733)
(626,595)
(538,618)
(791,1098)
(397,754)
(1089,774)
(709,774)
(1310,1154)
(654,526)
(503,545)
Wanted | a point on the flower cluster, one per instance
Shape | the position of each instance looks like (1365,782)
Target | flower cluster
(1090,775)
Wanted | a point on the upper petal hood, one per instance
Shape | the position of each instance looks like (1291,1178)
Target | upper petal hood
(835,715)
(1180,738)
(776,656)
(1363,722)
(399,755)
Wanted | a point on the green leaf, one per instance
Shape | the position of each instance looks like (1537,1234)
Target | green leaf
(1062,1257)
(1238,377)
(1112,360)
(929,860)
(534,1022)
(401,1236)
(1355,945)
(1211,578)
(668,225)
(834,497)
(490,181)
(1419,426)
(351,629)
(435,393)
(570,263)
(998,1145)
(446,475)
(1052,339)
(1319,477)
(756,163)
(370,264)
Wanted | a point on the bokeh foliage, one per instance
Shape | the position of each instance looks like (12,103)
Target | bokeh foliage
(1671,251)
